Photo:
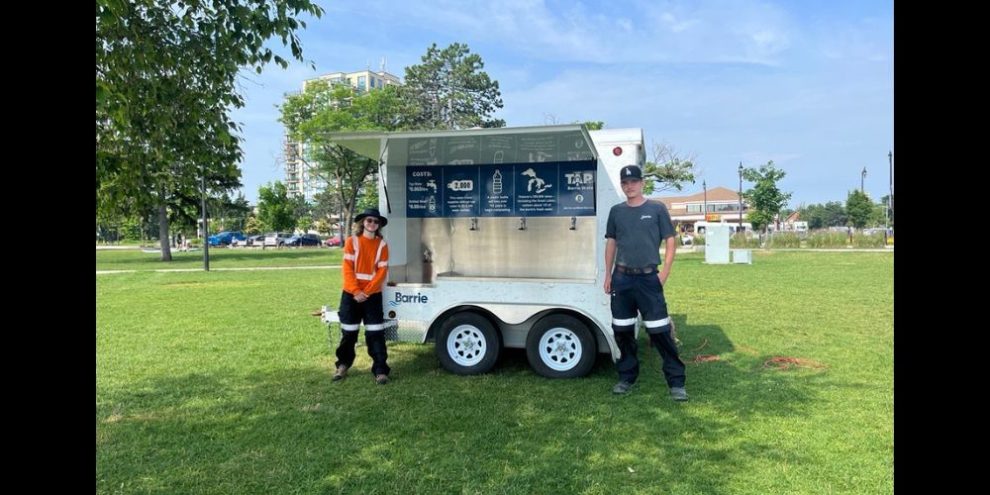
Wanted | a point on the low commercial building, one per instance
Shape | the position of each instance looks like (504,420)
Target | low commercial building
(717,204)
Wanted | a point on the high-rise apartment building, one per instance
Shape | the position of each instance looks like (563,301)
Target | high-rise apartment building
(298,179)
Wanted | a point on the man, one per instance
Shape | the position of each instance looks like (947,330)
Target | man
(632,253)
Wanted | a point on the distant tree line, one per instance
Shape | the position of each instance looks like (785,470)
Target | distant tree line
(858,211)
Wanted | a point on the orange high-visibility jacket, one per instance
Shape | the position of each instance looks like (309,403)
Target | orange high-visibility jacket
(365,264)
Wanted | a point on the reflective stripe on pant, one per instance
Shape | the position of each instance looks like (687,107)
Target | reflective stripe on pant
(643,294)
(375,341)
(351,314)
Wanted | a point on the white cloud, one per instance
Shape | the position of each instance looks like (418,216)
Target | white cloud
(806,85)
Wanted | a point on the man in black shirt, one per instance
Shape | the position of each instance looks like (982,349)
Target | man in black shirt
(633,234)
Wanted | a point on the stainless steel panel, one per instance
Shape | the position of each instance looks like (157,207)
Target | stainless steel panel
(547,248)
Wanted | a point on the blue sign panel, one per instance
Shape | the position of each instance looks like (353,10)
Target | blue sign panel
(423,193)
(497,199)
(577,189)
(461,191)
(537,189)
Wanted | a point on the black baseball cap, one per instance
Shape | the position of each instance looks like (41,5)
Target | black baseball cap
(630,172)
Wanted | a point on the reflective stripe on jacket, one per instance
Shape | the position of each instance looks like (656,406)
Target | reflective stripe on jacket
(362,272)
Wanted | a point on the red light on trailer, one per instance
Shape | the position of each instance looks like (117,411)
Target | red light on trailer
(617,150)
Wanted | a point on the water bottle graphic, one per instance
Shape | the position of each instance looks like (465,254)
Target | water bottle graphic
(499,156)
(497,182)
(432,204)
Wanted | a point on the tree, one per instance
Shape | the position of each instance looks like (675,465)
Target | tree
(835,214)
(323,108)
(302,213)
(275,207)
(227,213)
(253,226)
(667,171)
(165,84)
(304,223)
(814,214)
(326,211)
(450,91)
(765,198)
(859,208)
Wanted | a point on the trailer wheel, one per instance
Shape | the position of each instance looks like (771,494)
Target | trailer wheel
(468,344)
(560,346)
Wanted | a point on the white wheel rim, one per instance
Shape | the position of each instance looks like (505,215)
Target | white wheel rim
(560,349)
(466,345)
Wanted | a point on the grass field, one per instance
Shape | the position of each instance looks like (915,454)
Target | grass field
(219,383)
(137,259)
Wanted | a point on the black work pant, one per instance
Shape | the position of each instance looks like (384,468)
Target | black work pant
(632,294)
(351,314)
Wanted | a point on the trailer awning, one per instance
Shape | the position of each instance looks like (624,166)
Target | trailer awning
(369,144)
(479,146)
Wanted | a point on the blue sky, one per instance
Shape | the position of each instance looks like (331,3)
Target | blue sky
(807,84)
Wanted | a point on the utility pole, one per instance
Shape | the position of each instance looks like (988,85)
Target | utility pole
(862,179)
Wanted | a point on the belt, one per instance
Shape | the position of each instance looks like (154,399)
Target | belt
(635,271)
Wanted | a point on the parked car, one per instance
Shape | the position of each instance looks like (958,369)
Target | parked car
(332,241)
(252,240)
(303,240)
(225,238)
(275,239)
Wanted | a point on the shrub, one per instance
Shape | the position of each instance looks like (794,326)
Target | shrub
(867,241)
(742,240)
(784,240)
(825,239)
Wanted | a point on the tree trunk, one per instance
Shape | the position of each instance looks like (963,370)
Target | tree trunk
(163,232)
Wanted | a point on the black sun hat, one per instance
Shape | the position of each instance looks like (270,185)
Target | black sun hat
(371,212)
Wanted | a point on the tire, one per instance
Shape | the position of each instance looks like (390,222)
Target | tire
(561,346)
(468,344)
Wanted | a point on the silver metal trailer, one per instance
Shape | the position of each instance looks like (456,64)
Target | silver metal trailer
(496,239)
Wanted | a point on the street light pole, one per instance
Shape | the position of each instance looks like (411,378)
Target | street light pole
(740,197)
(861,180)
(704,215)
(890,199)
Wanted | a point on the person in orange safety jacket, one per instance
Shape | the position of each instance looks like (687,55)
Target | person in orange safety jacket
(364,268)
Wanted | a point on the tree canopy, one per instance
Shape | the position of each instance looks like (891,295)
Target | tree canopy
(165,84)
(323,108)
(275,209)
(859,208)
(831,214)
(765,198)
(667,170)
(449,90)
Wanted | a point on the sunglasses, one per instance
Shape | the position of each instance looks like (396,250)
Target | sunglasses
(372,220)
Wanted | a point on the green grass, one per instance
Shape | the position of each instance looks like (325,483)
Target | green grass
(220,383)
(137,259)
